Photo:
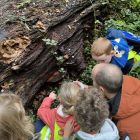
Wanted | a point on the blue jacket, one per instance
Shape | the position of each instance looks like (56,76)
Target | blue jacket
(121,48)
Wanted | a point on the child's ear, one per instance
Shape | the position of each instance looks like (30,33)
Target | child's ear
(112,52)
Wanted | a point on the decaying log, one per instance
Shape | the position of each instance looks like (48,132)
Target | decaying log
(41,41)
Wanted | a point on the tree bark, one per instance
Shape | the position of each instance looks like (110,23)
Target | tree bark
(41,42)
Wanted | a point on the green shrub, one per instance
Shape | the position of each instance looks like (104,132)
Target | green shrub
(85,77)
(125,15)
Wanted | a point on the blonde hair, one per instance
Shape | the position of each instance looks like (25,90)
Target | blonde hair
(101,46)
(14,124)
(68,94)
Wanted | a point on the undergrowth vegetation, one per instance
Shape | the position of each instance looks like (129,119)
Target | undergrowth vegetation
(124,15)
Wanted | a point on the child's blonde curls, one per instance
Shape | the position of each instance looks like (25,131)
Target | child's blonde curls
(68,94)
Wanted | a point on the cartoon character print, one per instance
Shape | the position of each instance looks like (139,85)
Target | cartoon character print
(118,53)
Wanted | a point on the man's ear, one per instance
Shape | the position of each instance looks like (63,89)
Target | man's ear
(101,88)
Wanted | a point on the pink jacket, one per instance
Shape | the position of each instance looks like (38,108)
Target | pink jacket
(50,116)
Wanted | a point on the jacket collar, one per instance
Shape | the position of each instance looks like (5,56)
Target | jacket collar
(114,103)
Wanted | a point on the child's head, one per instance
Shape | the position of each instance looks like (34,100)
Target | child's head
(14,124)
(101,50)
(91,110)
(67,95)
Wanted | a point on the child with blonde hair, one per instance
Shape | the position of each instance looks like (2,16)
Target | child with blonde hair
(56,118)
(115,51)
(14,124)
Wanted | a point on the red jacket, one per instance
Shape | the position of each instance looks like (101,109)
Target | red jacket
(50,116)
(128,114)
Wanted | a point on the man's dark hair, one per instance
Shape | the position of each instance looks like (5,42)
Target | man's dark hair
(110,77)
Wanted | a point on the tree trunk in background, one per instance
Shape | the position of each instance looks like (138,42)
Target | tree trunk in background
(41,41)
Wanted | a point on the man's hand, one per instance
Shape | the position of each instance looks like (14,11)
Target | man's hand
(68,128)
(80,84)
(52,95)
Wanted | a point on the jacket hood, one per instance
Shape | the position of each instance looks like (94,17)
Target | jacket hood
(130,97)
(108,132)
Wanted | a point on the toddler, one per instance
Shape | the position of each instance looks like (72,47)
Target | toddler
(57,117)
(91,113)
(115,51)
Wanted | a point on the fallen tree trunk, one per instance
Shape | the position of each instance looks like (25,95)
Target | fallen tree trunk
(41,42)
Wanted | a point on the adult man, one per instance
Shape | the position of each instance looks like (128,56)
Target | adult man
(123,94)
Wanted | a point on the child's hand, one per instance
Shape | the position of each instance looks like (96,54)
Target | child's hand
(52,95)
(68,128)
(80,84)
